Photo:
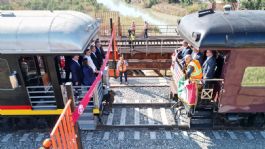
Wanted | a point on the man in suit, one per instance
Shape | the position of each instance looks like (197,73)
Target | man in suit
(197,55)
(209,65)
(76,71)
(184,50)
(94,57)
(99,52)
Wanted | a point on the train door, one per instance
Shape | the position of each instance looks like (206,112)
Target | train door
(37,82)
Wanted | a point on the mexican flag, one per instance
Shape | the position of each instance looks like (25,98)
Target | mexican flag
(187,92)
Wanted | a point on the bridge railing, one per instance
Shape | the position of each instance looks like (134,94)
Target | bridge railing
(153,30)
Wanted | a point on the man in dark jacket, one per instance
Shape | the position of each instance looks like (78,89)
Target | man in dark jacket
(94,57)
(209,65)
(99,52)
(76,71)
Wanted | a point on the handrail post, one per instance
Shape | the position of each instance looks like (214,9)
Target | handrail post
(113,49)
(70,96)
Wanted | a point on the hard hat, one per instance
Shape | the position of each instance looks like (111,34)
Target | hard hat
(47,143)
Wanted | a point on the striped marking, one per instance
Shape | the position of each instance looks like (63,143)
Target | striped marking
(232,135)
(110,118)
(216,135)
(6,138)
(249,135)
(24,137)
(106,136)
(123,116)
(136,116)
(40,137)
(164,116)
(121,135)
(262,133)
(136,135)
(185,135)
(31,112)
(89,136)
(153,135)
(168,135)
(150,116)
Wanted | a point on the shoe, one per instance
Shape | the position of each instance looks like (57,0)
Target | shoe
(105,113)
(126,83)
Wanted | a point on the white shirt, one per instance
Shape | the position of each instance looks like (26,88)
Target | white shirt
(91,64)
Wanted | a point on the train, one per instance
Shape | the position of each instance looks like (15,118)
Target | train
(237,96)
(32,44)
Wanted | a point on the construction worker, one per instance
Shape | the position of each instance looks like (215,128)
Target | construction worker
(194,69)
(122,68)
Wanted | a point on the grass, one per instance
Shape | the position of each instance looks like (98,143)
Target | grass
(254,76)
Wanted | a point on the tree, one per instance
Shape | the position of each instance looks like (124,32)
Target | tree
(253,4)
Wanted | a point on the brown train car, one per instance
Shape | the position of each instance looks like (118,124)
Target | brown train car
(239,93)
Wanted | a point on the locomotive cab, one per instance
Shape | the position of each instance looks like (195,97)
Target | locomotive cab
(236,93)
(31,43)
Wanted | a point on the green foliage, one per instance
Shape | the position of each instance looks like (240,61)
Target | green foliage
(253,4)
(52,5)
(230,1)
(150,3)
(186,2)
(128,1)
(173,1)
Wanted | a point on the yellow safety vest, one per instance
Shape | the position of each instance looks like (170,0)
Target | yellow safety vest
(197,72)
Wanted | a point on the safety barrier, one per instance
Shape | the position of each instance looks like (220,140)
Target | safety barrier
(63,134)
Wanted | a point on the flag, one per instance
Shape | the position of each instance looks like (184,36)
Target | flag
(187,92)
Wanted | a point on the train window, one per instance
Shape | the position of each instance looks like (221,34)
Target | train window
(254,77)
(34,71)
(8,80)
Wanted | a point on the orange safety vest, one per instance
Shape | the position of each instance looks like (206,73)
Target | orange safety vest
(122,67)
(197,72)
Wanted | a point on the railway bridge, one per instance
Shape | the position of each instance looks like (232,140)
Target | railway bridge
(153,53)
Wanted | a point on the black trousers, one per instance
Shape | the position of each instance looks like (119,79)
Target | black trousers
(125,76)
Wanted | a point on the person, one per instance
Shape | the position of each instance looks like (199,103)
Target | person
(131,40)
(133,27)
(194,69)
(68,60)
(122,68)
(24,69)
(145,29)
(76,71)
(99,51)
(87,55)
(184,50)
(94,57)
(88,73)
(196,54)
(209,65)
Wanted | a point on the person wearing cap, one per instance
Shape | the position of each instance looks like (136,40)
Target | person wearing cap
(194,69)
(47,144)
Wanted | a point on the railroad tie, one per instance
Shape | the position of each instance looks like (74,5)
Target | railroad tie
(39,137)
(232,135)
(106,136)
(217,135)
(137,135)
(153,135)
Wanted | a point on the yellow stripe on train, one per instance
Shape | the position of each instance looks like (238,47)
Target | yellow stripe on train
(31,112)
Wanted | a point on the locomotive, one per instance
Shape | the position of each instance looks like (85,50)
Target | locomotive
(237,95)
